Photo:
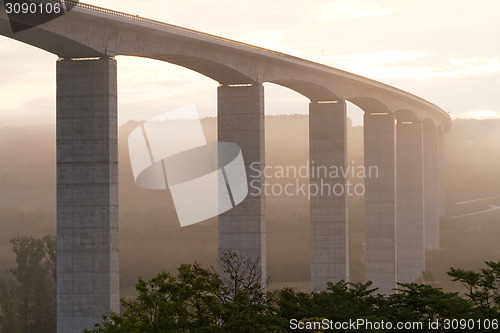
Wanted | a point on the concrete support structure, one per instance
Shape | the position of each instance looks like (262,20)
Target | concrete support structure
(380,201)
(440,168)
(328,211)
(431,186)
(241,121)
(87,193)
(410,201)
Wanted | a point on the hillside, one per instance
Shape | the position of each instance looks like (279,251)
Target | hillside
(151,238)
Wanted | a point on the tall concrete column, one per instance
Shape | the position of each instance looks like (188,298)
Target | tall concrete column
(87,193)
(431,186)
(241,121)
(440,160)
(328,208)
(380,201)
(410,201)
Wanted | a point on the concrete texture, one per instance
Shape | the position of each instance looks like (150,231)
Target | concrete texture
(87,193)
(440,169)
(380,202)
(431,187)
(328,211)
(410,202)
(241,121)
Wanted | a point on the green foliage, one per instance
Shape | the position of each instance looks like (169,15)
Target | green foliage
(9,316)
(482,287)
(197,300)
(246,306)
(201,300)
(422,303)
(341,302)
(30,304)
(156,309)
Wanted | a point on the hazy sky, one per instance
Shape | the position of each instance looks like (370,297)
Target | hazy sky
(446,51)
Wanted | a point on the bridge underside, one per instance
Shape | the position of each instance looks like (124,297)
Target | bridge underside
(403,201)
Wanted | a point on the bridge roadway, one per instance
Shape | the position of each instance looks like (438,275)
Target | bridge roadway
(403,139)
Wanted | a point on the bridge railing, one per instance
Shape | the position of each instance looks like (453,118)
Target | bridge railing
(163,24)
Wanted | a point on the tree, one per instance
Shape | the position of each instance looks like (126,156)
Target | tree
(246,305)
(201,300)
(482,287)
(35,274)
(342,301)
(197,300)
(156,309)
(203,291)
(9,302)
(422,303)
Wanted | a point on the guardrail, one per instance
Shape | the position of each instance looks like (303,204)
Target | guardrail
(164,25)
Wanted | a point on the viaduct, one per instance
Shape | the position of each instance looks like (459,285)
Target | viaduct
(403,137)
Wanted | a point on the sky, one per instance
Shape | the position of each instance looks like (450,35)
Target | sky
(447,52)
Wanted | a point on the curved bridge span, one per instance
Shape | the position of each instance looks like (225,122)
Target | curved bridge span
(89,31)
(403,139)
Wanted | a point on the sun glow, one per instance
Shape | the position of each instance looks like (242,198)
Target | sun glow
(483,114)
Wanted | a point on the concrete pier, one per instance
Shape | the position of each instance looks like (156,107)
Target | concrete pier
(440,168)
(380,202)
(431,186)
(87,193)
(328,209)
(241,121)
(410,201)
(87,170)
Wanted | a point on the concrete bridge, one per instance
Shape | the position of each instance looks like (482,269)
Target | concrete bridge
(403,138)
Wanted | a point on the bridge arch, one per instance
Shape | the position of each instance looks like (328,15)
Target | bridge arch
(429,124)
(370,105)
(406,115)
(91,31)
(218,71)
(313,91)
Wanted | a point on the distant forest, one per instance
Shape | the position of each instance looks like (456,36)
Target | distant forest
(151,238)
